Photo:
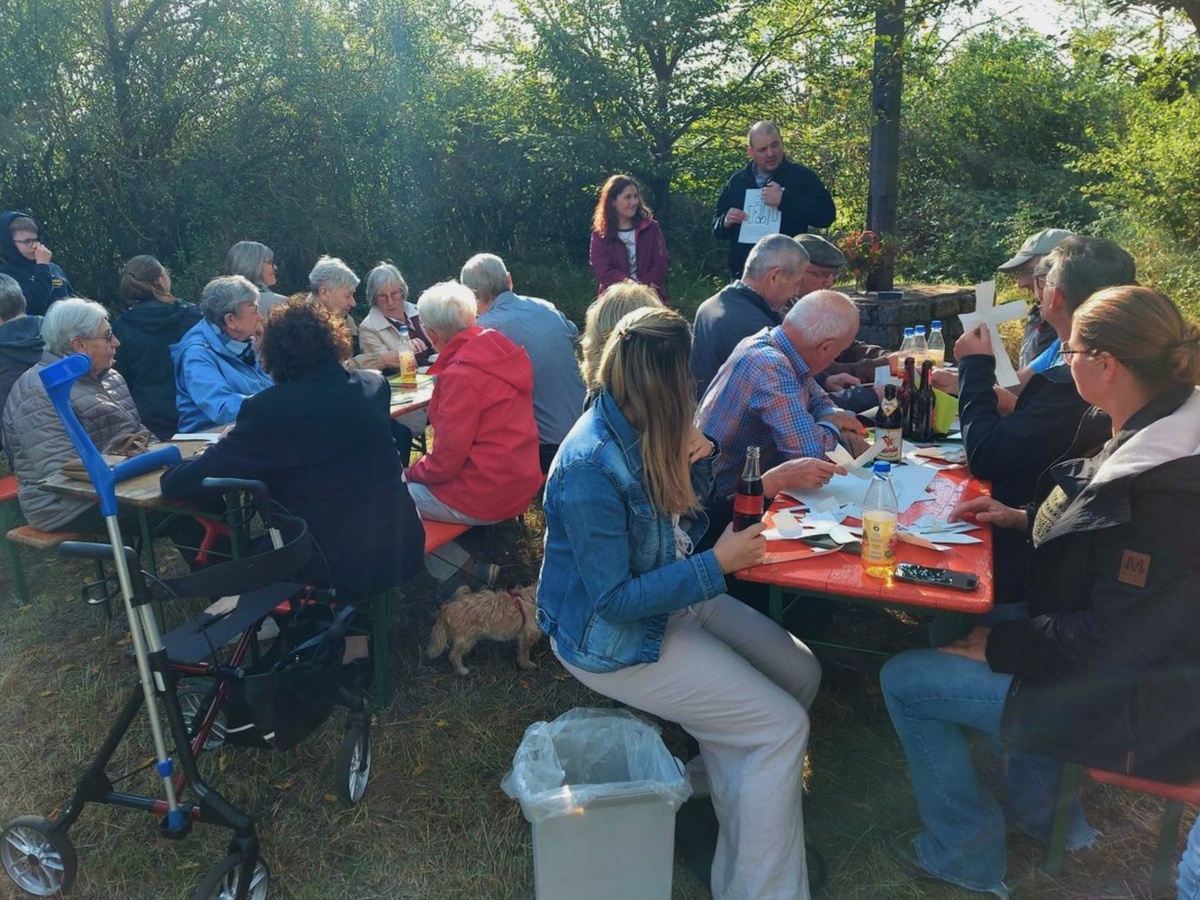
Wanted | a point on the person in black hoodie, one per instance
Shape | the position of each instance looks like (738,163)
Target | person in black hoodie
(25,257)
(20,336)
(154,321)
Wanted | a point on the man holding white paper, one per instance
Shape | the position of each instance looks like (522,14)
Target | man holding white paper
(771,194)
(1013,450)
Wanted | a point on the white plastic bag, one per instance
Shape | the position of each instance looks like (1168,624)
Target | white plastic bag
(562,766)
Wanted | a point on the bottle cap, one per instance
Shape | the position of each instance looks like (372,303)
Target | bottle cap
(882,468)
(936,323)
(920,329)
(908,332)
(403,329)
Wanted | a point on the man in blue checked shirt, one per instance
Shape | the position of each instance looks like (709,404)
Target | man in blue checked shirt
(765,395)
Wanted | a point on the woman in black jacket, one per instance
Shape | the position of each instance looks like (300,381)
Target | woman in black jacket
(323,441)
(153,320)
(1106,668)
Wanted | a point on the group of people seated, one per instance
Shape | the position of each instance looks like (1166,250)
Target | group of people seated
(1091,654)
(295,391)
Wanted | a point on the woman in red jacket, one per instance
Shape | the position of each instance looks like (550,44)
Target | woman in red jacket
(626,241)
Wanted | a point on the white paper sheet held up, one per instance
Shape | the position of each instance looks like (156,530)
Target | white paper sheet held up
(855,466)
(761,219)
(987,313)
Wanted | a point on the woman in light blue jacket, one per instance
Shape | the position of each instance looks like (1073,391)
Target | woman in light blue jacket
(636,616)
(216,367)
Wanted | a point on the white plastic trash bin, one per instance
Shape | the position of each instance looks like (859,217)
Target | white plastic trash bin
(601,791)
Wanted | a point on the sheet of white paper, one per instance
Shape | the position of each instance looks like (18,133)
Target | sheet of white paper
(986,312)
(909,483)
(761,219)
(210,436)
(855,466)
(883,375)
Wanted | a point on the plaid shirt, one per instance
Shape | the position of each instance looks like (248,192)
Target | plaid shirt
(764,395)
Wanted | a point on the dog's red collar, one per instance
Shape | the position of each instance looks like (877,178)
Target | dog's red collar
(516,599)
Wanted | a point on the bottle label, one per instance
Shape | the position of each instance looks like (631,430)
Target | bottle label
(748,505)
(878,538)
(892,446)
(408,369)
(889,407)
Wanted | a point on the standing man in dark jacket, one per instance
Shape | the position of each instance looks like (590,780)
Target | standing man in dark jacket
(1012,451)
(25,256)
(20,336)
(795,190)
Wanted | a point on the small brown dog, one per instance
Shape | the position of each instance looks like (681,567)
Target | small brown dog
(497,615)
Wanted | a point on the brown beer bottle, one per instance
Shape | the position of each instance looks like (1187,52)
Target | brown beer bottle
(748,501)
(906,395)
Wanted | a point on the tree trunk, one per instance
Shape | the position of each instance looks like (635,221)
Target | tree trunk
(885,132)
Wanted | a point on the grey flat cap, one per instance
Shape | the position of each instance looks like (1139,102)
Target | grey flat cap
(1035,245)
(821,252)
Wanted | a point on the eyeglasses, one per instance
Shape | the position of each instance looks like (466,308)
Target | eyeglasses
(271,263)
(107,337)
(28,242)
(1067,351)
(396,297)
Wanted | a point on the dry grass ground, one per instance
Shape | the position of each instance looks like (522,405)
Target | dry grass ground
(434,823)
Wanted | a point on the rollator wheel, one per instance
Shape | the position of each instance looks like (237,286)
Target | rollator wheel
(193,703)
(40,861)
(352,768)
(221,881)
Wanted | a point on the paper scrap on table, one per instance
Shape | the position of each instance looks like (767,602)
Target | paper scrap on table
(934,533)
(987,313)
(855,465)
(786,526)
(947,454)
(210,437)
(909,482)
(761,219)
(883,375)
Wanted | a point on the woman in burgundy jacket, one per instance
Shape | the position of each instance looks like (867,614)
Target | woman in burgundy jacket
(626,241)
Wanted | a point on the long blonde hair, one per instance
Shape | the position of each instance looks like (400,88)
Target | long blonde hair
(602,317)
(645,367)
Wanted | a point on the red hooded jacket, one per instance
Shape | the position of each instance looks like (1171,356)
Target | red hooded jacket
(484,460)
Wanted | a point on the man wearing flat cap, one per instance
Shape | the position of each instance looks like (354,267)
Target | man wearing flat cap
(1039,335)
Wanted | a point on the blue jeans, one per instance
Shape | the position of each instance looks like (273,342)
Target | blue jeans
(935,699)
(1189,867)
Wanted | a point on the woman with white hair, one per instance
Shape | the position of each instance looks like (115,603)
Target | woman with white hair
(387,292)
(332,283)
(34,436)
(215,363)
(256,263)
(483,467)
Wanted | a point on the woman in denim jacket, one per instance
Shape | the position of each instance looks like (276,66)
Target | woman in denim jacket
(635,616)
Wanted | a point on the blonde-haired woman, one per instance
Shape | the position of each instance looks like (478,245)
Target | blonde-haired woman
(603,315)
(635,615)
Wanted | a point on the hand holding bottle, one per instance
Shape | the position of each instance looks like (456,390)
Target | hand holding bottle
(736,550)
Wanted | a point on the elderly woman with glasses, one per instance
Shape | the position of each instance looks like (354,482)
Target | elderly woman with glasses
(256,263)
(379,332)
(215,363)
(34,436)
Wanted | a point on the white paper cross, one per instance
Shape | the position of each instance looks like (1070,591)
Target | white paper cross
(989,314)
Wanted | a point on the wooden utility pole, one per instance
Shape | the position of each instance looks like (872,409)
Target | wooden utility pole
(886,82)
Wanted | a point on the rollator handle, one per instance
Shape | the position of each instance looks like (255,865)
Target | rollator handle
(253,487)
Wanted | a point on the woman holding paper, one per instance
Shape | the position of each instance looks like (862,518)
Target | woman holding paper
(635,614)
(627,244)
(1105,669)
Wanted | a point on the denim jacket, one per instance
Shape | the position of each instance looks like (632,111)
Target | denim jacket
(610,577)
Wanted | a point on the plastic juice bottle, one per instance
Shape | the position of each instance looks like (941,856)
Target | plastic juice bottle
(748,500)
(937,344)
(906,346)
(879,524)
(408,360)
(920,347)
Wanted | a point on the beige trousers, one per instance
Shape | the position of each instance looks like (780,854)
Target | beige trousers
(741,686)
